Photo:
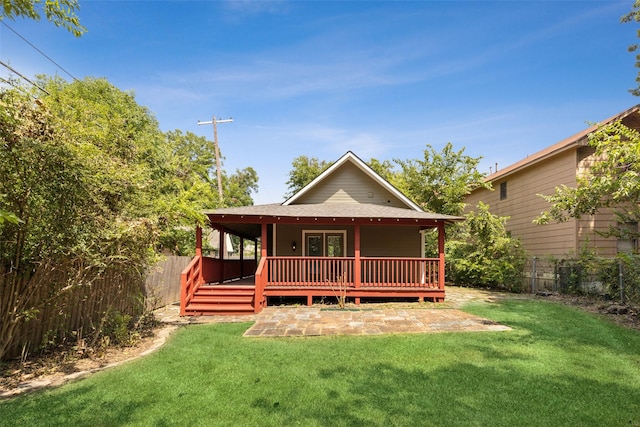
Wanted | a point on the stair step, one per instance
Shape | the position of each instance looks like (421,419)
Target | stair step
(210,290)
(220,308)
(222,299)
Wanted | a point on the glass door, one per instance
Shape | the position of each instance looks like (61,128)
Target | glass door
(314,246)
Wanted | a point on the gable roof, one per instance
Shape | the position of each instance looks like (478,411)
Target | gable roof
(350,157)
(580,138)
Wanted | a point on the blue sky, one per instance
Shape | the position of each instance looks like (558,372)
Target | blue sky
(502,79)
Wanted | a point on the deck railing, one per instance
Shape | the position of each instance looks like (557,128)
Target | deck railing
(309,271)
(190,280)
(400,272)
(313,272)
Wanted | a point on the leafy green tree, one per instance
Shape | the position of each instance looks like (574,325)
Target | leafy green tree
(239,186)
(634,16)
(612,181)
(481,253)
(88,182)
(304,171)
(440,181)
(385,169)
(62,13)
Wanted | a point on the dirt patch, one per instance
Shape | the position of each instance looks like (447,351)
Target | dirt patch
(67,363)
(622,314)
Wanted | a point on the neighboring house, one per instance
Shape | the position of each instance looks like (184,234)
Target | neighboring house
(516,195)
(348,233)
(213,241)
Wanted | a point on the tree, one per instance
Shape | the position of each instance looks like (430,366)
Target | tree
(62,13)
(634,16)
(384,169)
(88,184)
(440,182)
(612,181)
(481,252)
(304,171)
(239,186)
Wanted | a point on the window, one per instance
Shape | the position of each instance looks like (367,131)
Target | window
(324,243)
(628,239)
(503,190)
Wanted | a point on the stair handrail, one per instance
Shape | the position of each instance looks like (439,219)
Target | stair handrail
(190,280)
(261,282)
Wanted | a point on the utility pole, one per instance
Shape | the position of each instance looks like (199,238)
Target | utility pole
(215,122)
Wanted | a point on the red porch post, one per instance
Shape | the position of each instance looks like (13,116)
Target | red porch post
(199,248)
(357,268)
(441,234)
(241,249)
(198,241)
(263,241)
(221,254)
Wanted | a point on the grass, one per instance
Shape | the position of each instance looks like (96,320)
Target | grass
(559,367)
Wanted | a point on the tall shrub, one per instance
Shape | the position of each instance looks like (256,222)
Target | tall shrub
(481,253)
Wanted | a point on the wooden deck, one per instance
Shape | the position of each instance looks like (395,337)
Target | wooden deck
(214,288)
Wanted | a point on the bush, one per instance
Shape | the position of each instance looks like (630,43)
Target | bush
(481,253)
(627,267)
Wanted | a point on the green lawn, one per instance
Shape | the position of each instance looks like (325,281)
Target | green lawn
(558,367)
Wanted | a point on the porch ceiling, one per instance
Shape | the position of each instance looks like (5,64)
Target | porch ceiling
(246,220)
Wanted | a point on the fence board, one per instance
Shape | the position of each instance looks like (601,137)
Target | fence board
(163,281)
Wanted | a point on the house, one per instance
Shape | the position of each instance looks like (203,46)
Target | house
(348,233)
(517,189)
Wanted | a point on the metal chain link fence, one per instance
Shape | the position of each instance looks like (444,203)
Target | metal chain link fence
(617,279)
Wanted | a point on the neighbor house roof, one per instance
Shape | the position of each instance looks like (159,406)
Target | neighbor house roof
(580,138)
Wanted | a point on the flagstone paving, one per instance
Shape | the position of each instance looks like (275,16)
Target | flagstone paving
(365,319)
(313,321)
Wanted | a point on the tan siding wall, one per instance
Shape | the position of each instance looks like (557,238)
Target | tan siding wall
(286,234)
(349,184)
(390,241)
(589,238)
(374,241)
(523,205)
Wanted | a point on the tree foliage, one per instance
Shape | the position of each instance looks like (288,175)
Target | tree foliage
(304,170)
(89,182)
(440,181)
(612,181)
(62,13)
(481,253)
(634,16)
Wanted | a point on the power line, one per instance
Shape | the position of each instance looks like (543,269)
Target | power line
(13,70)
(39,51)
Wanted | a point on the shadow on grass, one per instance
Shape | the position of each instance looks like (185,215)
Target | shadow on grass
(557,367)
(467,394)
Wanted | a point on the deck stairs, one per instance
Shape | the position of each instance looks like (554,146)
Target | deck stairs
(225,299)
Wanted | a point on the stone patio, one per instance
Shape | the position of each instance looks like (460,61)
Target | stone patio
(365,319)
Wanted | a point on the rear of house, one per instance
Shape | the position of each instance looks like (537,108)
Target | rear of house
(348,233)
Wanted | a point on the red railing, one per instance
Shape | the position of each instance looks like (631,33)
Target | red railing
(309,272)
(400,272)
(190,280)
(262,273)
(313,272)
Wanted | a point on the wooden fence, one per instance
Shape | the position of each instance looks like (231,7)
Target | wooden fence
(76,312)
(163,281)
(67,309)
